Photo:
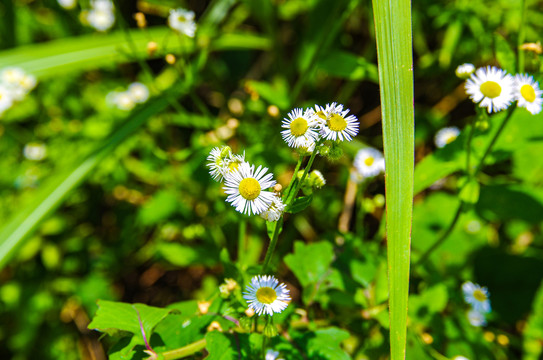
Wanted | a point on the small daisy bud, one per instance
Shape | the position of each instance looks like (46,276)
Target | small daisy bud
(170,59)
(482,125)
(379,200)
(246,323)
(270,330)
(277,188)
(231,284)
(140,20)
(335,153)
(465,70)
(250,312)
(273,111)
(152,47)
(214,326)
(226,151)
(317,179)
(533,47)
(427,338)
(223,289)
(203,307)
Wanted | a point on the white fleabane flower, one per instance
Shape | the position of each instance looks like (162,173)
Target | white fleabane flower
(476,318)
(477,297)
(246,187)
(272,355)
(101,16)
(18,82)
(300,131)
(491,87)
(446,136)
(139,92)
(266,296)
(123,100)
(182,21)
(465,70)
(6,101)
(337,125)
(369,162)
(35,151)
(67,4)
(275,210)
(216,162)
(528,94)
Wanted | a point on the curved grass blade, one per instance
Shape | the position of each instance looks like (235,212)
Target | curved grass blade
(53,193)
(395,61)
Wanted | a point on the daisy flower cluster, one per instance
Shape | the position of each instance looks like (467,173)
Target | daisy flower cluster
(101,16)
(137,93)
(478,298)
(15,84)
(265,295)
(368,163)
(182,21)
(305,129)
(495,89)
(246,186)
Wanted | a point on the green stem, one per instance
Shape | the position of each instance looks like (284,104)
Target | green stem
(287,190)
(521,36)
(306,170)
(510,112)
(443,236)
(184,351)
(241,239)
(273,242)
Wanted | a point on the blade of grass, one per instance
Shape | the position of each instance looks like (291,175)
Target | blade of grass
(57,189)
(395,61)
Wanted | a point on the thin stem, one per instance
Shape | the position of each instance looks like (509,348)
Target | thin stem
(241,239)
(495,138)
(306,170)
(521,35)
(296,169)
(273,242)
(443,236)
(184,351)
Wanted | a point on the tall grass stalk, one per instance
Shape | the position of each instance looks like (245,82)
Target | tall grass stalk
(395,61)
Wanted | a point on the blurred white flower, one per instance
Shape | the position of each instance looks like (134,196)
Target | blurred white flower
(6,101)
(369,162)
(465,70)
(35,151)
(477,297)
(446,136)
(476,318)
(67,4)
(528,94)
(18,82)
(101,16)
(139,92)
(182,21)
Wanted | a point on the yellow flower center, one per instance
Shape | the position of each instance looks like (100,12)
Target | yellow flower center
(249,188)
(450,139)
(369,161)
(337,123)
(234,165)
(181,18)
(298,126)
(479,295)
(527,92)
(266,295)
(321,115)
(491,89)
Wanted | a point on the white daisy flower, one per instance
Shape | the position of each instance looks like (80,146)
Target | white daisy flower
(338,126)
(272,355)
(123,100)
(245,188)
(527,93)
(265,295)
(67,4)
(182,20)
(216,161)
(101,16)
(300,131)
(476,318)
(491,87)
(275,210)
(446,136)
(18,82)
(35,151)
(139,92)
(465,70)
(6,101)
(477,297)
(369,162)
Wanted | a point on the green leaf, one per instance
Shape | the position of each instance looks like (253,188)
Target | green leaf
(326,344)
(299,204)
(219,347)
(533,332)
(346,65)
(275,93)
(184,255)
(470,192)
(162,205)
(112,317)
(310,262)
(450,43)
(57,188)
(233,41)
(395,60)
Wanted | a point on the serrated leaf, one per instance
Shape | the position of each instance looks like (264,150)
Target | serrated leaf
(219,347)
(310,262)
(300,204)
